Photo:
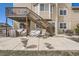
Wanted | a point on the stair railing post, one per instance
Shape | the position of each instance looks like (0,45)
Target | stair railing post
(27,26)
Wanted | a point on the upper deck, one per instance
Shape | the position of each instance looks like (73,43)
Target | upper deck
(16,12)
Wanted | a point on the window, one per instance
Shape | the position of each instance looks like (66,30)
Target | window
(41,7)
(63,25)
(44,7)
(63,11)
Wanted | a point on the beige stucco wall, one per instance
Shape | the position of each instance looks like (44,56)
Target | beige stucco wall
(66,18)
(44,14)
(74,19)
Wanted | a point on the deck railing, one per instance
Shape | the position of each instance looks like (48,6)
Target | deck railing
(16,11)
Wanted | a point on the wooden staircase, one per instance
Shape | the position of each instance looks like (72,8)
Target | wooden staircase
(32,16)
(40,21)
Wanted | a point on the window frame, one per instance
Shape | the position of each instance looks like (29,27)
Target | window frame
(63,27)
(64,9)
(44,7)
(40,7)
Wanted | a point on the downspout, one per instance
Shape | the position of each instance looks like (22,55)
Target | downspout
(31,6)
(49,11)
(56,20)
(38,8)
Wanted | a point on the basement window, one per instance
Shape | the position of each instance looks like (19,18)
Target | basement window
(63,25)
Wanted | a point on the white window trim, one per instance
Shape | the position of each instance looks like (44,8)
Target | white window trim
(63,9)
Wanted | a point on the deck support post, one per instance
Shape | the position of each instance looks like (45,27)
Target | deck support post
(27,26)
(6,27)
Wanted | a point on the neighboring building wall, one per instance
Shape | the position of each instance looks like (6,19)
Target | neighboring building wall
(72,17)
(65,18)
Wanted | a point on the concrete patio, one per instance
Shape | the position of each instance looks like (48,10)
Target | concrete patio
(38,43)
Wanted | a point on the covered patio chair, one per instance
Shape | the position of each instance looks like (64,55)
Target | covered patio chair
(12,33)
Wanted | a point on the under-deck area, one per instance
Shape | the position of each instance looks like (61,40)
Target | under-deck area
(21,23)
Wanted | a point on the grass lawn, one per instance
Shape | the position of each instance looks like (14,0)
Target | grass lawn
(38,53)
